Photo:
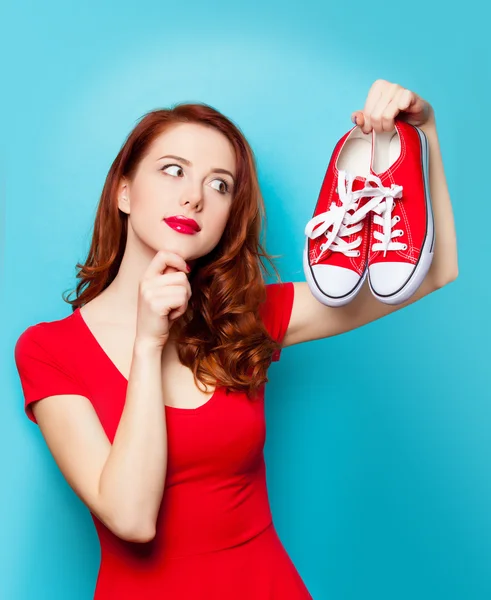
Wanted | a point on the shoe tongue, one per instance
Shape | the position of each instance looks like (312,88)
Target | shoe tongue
(358,183)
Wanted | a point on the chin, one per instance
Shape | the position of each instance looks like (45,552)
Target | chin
(186,250)
(189,257)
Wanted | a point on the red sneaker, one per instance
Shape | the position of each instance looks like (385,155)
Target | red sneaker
(399,259)
(337,236)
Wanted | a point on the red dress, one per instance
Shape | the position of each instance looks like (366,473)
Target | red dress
(215,536)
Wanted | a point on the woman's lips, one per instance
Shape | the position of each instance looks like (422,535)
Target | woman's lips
(180,227)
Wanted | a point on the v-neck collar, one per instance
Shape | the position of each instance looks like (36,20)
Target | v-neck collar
(95,342)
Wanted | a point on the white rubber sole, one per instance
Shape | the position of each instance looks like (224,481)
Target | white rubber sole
(317,291)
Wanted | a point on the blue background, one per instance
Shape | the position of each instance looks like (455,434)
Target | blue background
(378,445)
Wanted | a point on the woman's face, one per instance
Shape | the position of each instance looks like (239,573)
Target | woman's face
(189,170)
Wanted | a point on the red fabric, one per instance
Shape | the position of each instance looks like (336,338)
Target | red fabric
(215,535)
(276,311)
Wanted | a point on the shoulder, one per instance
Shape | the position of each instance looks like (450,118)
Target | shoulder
(277,309)
(279,291)
(46,336)
(278,296)
(46,359)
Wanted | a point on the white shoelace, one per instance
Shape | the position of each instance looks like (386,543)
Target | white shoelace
(344,222)
(384,218)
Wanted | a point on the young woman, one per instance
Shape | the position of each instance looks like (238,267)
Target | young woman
(171,298)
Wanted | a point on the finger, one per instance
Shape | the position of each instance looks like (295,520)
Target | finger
(382,94)
(358,118)
(373,97)
(162,260)
(170,269)
(391,111)
(414,103)
(167,279)
(174,283)
(161,283)
(173,291)
(165,303)
(406,98)
(176,313)
(376,115)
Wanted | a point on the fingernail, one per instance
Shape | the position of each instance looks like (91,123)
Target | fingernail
(354,119)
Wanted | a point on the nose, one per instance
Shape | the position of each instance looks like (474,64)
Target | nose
(193,195)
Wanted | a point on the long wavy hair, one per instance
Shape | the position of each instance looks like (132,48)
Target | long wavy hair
(221,337)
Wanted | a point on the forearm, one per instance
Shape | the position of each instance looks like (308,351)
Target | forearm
(444,267)
(133,478)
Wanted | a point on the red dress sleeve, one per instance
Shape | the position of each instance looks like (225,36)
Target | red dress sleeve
(41,374)
(277,310)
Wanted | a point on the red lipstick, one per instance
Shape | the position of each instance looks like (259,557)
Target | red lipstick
(183,224)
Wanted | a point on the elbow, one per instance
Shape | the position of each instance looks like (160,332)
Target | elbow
(439,280)
(137,532)
(449,278)
(139,535)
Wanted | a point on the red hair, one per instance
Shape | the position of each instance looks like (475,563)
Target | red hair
(221,337)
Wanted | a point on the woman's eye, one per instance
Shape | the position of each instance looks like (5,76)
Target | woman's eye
(225,187)
(166,167)
(223,190)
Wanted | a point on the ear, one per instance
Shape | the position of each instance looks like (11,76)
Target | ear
(123,198)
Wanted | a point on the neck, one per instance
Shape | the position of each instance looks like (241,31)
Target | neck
(121,295)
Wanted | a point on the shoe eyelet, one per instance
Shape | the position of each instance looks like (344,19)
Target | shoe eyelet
(358,253)
(405,247)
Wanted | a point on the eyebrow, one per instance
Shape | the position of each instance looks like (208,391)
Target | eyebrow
(187,162)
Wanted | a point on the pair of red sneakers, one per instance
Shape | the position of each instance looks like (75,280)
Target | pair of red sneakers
(373,218)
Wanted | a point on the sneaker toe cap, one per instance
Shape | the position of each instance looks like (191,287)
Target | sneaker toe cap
(335,281)
(389,278)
